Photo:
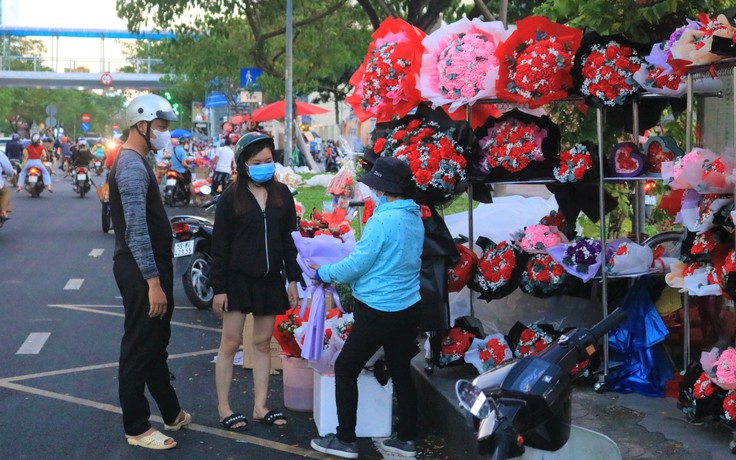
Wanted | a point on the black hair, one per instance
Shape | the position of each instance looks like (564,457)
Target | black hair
(241,201)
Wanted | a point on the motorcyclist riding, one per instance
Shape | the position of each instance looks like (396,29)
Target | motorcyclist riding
(65,149)
(180,164)
(14,149)
(35,153)
(81,154)
(6,169)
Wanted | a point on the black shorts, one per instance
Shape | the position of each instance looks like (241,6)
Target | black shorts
(264,296)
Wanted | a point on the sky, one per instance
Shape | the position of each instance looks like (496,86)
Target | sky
(80,14)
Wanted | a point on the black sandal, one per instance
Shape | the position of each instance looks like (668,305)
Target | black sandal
(233,419)
(271,418)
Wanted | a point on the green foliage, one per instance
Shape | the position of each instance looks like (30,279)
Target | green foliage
(645,21)
(28,105)
(19,47)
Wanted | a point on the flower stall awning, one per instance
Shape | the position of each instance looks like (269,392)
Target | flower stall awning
(277,111)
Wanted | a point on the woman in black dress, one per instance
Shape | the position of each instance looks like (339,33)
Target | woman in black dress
(252,252)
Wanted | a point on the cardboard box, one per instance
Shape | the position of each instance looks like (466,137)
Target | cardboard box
(248,347)
(374,406)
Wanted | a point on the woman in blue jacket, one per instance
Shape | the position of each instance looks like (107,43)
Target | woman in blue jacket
(383,271)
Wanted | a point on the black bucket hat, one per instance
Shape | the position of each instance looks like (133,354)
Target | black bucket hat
(389,175)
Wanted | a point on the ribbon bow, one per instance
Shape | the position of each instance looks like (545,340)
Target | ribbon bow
(658,254)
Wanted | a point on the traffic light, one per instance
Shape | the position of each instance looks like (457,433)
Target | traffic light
(175,106)
(167,95)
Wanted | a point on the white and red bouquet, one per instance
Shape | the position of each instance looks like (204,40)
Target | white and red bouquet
(488,353)
(532,340)
(385,83)
(694,44)
(535,61)
(544,277)
(498,270)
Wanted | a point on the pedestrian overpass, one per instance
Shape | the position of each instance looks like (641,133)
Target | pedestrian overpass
(71,77)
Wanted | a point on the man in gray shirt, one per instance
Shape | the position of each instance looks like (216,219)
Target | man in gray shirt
(144,274)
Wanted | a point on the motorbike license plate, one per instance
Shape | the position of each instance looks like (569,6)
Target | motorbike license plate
(170,182)
(81,177)
(184,248)
(98,164)
(32,179)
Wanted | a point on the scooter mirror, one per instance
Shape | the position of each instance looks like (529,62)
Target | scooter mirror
(205,190)
(473,399)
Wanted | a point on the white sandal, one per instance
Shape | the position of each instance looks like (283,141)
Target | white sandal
(178,426)
(155,441)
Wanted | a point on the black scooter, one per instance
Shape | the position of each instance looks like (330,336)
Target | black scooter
(192,259)
(524,406)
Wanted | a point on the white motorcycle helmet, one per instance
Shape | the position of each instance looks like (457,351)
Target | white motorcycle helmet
(35,138)
(148,107)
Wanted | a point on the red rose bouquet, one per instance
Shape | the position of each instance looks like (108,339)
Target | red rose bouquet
(283,332)
(543,277)
(517,142)
(459,275)
(435,148)
(574,163)
(386,82)
(703,387)
(532,341)
(535,61)
(604,70)
(498,270)
(454,345)
(488,353)
(658,80)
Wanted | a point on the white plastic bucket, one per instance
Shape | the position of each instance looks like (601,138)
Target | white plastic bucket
(298,384)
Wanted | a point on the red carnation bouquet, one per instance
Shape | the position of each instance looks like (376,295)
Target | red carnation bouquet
(535,61)
(386,82)
(532,341)
(543,276)
(703,387)
(604,70)
(512,145)
(454,345)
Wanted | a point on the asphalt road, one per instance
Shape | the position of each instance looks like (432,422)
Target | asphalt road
(60,400)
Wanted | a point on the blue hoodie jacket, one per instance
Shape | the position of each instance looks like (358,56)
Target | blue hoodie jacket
(383,270)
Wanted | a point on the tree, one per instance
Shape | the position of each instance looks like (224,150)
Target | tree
(645,21)
(20,53)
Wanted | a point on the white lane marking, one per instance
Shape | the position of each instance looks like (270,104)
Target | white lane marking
(122,315)
(96,252)
(33,344)
(63,305)
(74,284)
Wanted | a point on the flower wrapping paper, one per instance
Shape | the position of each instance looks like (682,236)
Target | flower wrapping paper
(386,82)
(535,61)
(581,258)
(459,63)
(320,250)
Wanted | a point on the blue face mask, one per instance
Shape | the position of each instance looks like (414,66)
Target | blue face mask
(377,200)
(261,173)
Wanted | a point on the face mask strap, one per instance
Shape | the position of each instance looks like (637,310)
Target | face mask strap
(146,136)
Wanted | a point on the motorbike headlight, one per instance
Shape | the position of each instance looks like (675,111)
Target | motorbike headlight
(473,399)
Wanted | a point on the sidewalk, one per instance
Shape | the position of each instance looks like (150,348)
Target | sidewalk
(643,428)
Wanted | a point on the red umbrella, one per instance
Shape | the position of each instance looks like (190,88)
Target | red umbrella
(277,111)
(238,119)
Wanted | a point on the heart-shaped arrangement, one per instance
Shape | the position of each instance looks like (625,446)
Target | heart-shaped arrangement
(627,160)
(659,149)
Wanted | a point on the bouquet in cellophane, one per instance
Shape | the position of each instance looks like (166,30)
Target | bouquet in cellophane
(326,241)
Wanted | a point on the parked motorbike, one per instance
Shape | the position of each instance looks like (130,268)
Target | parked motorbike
(524,406)
(81,181)
(192,259)
(34,182)
(176,191)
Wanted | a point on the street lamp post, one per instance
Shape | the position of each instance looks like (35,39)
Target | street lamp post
(288,129)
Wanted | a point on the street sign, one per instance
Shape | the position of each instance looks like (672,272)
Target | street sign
(106,79)
(85,126)
(86,118)
(51,110)
(249,78)
(252,97)
(51,122)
